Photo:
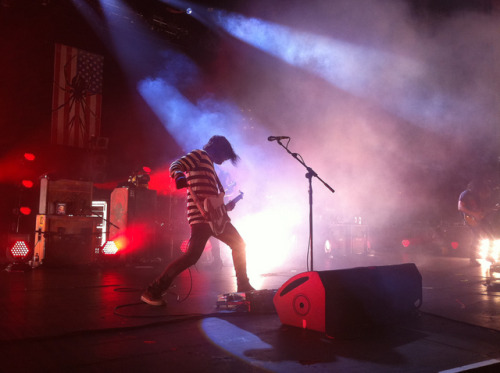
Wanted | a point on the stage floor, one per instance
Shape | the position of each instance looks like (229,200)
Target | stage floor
(90,319)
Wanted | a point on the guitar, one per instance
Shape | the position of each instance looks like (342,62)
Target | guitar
(472,221)
(216,211)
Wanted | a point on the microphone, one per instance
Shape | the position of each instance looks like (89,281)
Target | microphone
(274,138)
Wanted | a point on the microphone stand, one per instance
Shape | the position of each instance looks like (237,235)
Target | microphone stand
(309,175)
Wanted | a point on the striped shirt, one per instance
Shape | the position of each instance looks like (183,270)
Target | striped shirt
(201,178)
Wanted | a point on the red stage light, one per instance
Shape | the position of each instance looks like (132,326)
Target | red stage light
(109,248)
(29,157)
(27,184)
(19,250)
(405,243)
(454,245)
(146,169)
(121,242)
(25,210)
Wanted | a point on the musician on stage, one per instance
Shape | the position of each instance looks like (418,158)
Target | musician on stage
(195,171)
(472,204)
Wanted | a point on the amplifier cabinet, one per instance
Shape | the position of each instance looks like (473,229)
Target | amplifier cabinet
(74,194)
(66,240)
(131,206)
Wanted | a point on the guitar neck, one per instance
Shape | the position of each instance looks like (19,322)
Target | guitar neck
(236,199)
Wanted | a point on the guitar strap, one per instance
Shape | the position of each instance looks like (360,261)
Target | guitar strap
(219,184)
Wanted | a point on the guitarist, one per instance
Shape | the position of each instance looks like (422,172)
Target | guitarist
(471,203)
(195,171)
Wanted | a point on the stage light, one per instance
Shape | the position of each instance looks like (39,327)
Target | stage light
(405,243)
(29,157)
(19,253)
(141,177)
(109,248)
(28,184)
(489,250)
(189,11)
(100,209)
(110,254)
(495,271)
(25,210)
(454,245)
(19,250)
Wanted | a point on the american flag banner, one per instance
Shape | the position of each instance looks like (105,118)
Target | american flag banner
(77,96)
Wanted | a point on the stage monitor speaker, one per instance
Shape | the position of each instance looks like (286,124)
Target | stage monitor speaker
(345,303)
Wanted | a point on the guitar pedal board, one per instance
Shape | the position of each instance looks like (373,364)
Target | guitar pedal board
(256,301)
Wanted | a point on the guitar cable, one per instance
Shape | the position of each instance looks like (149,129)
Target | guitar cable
(178,298)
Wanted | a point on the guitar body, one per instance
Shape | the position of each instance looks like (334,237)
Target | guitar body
(471,221)
(217,213)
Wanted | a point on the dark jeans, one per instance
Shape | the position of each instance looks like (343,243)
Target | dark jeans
(200,233)
(216,250)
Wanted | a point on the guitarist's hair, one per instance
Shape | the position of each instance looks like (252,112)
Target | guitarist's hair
(219,144)
(478,185)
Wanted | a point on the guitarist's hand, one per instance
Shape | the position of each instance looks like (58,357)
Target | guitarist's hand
(180,180)
(230,206)
(478,215)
